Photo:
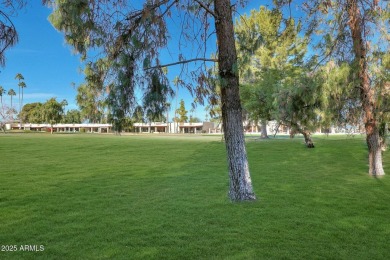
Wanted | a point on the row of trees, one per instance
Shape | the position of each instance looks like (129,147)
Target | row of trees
(350,85)
(8,112)
(10,93)
(38,113)
(21,84)
(51,112)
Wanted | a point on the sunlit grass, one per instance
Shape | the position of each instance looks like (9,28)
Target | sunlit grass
(156,197)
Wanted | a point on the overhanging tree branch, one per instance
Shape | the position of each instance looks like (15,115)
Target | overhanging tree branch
(206,8)
(181,62)
(8,33)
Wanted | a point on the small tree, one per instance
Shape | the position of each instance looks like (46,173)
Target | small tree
(182,112)
(52,111)
(298,105)
(269,49)
(138,115)
(91,95)
(5,116)
(63,103)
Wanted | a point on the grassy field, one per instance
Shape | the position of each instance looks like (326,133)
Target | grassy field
(153,197)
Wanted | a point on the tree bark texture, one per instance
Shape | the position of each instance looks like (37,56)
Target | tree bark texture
(264,133)
(240,180)
(383,129)
(367,96)
(308,141)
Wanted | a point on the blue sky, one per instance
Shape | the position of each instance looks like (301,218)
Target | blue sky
(48,65)
(41,56)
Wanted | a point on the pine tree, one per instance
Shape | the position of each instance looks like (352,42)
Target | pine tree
(182,112)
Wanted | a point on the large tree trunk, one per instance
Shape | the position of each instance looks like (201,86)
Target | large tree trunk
(264,133)
(240,180)
(367,96)
(308,141)
(374,154)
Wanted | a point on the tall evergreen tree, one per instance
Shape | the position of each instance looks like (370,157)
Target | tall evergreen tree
(271,55)
(52,112)
(182,112)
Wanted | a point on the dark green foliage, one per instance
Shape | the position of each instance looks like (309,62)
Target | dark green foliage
(271,56)
(52,111)
(194,119)
(129,40)
(155,98)
(298,103)
(121,93)
(91,94)
(72,116)
(33,113)
(182,112)
(341,103)
(138,115)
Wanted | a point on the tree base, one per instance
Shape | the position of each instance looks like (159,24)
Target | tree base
(310,145)
(242,197)
(377,175)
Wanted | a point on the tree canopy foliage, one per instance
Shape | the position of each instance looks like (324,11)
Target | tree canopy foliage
(276,83)
(50,112)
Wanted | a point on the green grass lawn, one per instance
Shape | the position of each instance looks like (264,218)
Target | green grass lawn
(154,197)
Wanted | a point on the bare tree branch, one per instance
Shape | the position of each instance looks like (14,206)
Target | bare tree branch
(206,8)
(8,35)
(182,62)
